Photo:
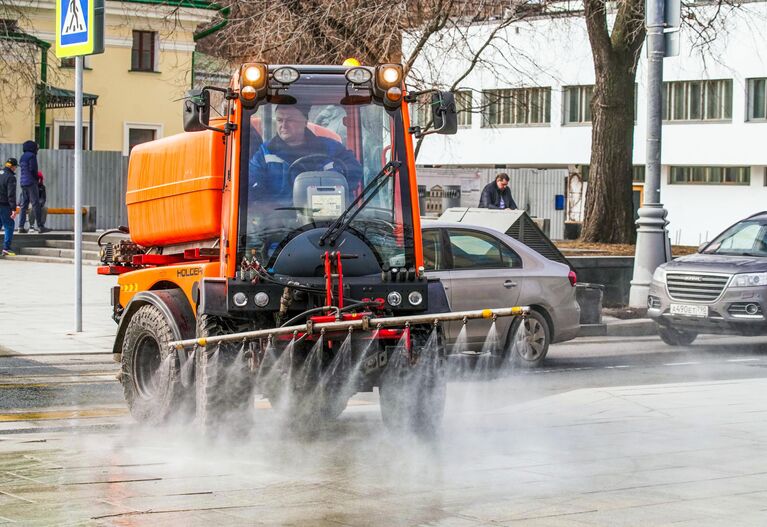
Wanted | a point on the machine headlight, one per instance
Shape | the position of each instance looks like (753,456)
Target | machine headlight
(261,299)
(286,75)
(240,299)
(659,275)
(253,78)
(388,76)
(749,280)
(415,298)
(359,75)
(394,298)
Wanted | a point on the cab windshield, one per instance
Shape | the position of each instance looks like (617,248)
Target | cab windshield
(747,238)
(307,154)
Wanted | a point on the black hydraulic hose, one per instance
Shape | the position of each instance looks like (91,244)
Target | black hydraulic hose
(118,230)
(295,285)
(357,304)
(309,312)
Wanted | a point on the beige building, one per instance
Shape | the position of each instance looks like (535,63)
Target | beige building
(137,83)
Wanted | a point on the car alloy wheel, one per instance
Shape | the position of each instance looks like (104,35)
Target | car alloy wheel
(534,338)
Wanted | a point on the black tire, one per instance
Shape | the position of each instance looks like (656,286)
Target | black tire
(150,373)
(223,383)
(528,341)
(676,337)
(412,397)
(305,404)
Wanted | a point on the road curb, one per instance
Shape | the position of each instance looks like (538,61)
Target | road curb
(614,327)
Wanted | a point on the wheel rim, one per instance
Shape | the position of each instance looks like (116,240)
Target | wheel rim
(534,339)
(146,366)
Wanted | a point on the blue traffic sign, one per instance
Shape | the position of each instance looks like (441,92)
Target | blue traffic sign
(79,27)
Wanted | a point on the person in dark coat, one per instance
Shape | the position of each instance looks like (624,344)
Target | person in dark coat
(8,203)
(497,195)
(29,187)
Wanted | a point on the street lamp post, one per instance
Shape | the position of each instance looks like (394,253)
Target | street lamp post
(652,248)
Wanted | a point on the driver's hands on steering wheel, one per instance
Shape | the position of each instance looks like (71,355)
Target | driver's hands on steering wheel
(334,161)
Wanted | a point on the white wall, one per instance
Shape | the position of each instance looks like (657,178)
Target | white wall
(556,53)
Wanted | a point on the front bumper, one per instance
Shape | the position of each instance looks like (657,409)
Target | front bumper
(727,315)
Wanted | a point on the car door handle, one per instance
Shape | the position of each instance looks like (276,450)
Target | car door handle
(508,284)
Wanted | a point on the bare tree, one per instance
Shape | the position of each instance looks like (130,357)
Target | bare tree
(327,31)
(609,215)
(20,56)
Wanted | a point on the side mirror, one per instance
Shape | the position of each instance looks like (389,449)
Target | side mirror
(444,113)
(196,110)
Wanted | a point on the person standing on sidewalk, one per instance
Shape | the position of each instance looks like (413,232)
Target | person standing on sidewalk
(8,203)
(29,189)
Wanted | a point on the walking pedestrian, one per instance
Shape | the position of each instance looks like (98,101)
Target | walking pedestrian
(8,203)
(29,187)
(497,195)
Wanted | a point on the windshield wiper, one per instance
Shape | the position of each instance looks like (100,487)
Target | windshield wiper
(368,193)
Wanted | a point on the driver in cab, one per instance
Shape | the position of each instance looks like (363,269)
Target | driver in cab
(270,170)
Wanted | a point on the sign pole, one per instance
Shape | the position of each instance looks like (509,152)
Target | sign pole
(652,246)
(78,193)
(79,32)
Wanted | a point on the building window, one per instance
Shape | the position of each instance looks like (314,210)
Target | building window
(578,104)
(137,133)
(757,99)
(638,174)
(463,107)
(710,175)
(65,136)
(518,106)
(143,52)
(47,135)
(697,100)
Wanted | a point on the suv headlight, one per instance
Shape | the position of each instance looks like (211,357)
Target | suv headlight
(659,275)
(749,280)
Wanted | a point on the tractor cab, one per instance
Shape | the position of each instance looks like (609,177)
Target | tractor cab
(324,167)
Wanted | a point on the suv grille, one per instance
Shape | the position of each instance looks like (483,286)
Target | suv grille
(696,287)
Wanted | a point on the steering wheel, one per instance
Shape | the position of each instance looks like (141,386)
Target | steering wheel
(310,157)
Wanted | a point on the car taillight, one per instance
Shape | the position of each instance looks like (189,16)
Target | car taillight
(572,277)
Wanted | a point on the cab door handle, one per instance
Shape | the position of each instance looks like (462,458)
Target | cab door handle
(508,284)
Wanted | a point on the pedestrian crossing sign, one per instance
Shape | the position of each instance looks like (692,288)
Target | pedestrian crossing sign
(79,27)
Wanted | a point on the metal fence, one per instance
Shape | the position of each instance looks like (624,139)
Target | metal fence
(104,182)
(534,190)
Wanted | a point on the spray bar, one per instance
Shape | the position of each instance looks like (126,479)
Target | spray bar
(363,323)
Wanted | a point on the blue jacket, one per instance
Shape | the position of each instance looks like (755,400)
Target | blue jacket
(268,167)
(28,164)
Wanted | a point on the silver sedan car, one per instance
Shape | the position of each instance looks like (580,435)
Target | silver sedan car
(483,268)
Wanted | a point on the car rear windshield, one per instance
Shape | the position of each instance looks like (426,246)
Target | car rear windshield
(747,238)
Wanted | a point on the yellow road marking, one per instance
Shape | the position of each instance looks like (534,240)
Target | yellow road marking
(103,412)
(63,414)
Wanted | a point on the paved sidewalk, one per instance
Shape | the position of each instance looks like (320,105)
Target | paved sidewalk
(37,309)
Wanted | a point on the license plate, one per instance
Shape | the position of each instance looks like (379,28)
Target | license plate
(689,310)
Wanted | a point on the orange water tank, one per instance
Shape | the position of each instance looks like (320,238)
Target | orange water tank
(175,189)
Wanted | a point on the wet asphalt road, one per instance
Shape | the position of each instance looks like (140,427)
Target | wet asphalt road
(85,381)
(567,444)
